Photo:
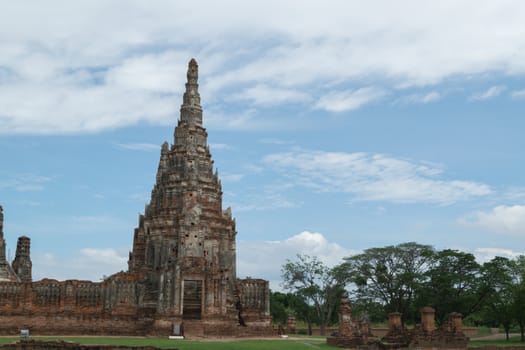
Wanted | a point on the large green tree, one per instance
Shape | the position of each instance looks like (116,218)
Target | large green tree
(453,284)
(499,278)
(390,275)
(318,284)
(283,305)
(519,294)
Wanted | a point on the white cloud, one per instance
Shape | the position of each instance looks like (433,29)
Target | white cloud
(420,98)
(518,94)
(486,254)
(501,219)
(244,120)
(220,146)
(25,182)
(269,197)
(493,91)
(56,79)
(150,72)
(139,146)
(264,259)
(348,100)
(272,141)
(266,95)
(88,264)
(373,177)
(232,177)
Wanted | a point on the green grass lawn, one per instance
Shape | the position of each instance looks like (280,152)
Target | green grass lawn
(293,343)
(271,344)
(513,341)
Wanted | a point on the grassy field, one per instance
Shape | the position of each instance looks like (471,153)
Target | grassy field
(513,341)
(301,343)
(294,343)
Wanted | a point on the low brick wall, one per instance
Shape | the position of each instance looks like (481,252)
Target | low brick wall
(52,324)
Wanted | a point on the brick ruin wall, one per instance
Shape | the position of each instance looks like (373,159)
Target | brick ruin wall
(72,307)
(114,307)
(182,266)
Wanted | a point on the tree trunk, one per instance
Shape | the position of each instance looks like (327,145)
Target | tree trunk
(507,330)
(322,328)
(522,329)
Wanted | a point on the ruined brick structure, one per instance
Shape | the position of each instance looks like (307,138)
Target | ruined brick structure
(356,334)
(181,269)
(352,333)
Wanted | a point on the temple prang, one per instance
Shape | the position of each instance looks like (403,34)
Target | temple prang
(181,269)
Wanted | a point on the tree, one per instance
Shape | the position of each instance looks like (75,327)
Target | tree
(278,307)
(499,279)
(390,275)
(319,285)
(283,305)
(453,284)
(519,294)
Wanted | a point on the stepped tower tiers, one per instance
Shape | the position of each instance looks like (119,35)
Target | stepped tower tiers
(184,233)
(181,267)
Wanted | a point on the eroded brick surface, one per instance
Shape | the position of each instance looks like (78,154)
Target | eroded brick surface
(181,269)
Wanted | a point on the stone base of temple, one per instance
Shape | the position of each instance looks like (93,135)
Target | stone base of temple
(125,325)
(63,345)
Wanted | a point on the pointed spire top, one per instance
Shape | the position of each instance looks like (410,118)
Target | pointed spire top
(1,222)
(191,110)
(193,71)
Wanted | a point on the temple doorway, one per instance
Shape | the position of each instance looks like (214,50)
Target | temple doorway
(192,303)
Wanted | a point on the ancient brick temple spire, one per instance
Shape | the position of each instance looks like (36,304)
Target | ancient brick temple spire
(184,234)
(191,110)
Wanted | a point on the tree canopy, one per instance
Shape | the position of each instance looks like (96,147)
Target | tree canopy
(317,284)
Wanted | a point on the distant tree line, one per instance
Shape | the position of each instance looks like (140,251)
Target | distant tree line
(403,278)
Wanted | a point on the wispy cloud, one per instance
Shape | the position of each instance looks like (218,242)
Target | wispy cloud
(491,92)
(502,219)
(273,141)
(340,101)
(373,177)
(419,98)
(485,254)
(220,146)
(25,182)
(58,80)
(270,197)
(266,95)
(231,177)
(88,264)
(518,94)
(243,120)
(139,146)
(266,258)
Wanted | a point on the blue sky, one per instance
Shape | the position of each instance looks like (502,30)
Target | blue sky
(335,126)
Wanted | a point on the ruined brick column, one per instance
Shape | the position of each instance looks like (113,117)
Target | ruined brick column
(456,320)
(22,263)
(394,321)
(345,318)
(428,322)
(6,272)
(291,325)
